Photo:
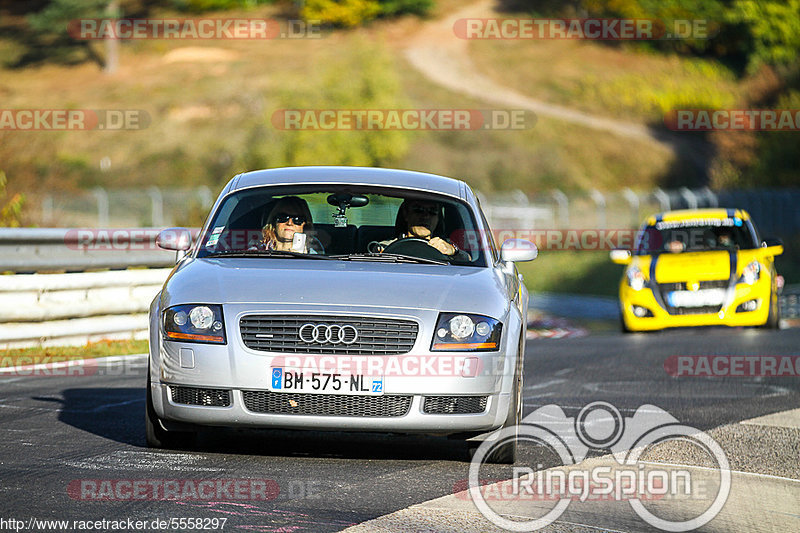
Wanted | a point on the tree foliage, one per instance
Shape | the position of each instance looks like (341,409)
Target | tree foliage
(350,13)
(10,209)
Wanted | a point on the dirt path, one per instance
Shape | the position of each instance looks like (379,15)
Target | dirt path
(444,59)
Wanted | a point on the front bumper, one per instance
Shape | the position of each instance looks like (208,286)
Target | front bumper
(726,316)
(238,370)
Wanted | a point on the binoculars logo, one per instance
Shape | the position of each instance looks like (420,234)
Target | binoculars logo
(600,426)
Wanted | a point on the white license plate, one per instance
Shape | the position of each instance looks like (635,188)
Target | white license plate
(701,298)
(307,381)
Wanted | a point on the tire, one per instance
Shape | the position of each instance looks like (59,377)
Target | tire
(774,316)
(622,327)
(505,453)
(155,433)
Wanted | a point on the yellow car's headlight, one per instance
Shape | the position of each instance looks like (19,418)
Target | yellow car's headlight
(751,273)
(636,279)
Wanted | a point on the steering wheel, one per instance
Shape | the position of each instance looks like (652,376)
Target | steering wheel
(416,247)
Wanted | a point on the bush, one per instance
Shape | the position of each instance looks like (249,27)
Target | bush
(350,13)
(198,6)
(11,209)
(342,13)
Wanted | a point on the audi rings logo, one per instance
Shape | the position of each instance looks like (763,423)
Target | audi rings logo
(328,333)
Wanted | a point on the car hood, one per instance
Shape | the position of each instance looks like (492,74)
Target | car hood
(303,281)
(715,265)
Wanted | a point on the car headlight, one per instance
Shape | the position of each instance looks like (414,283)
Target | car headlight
(751,273)
(463,332)
(195,323)
(636,279)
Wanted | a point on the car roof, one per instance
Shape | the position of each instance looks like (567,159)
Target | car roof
(716,213)
(406,179)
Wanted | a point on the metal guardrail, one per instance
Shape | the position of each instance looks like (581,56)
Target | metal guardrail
(52,309)
(28,250)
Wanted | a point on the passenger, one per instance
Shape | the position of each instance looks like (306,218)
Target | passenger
(422,219)
(290,216)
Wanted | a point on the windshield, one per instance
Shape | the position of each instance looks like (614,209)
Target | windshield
(355,223)
(696,236)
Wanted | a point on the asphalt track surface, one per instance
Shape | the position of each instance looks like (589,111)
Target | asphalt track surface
(60,430)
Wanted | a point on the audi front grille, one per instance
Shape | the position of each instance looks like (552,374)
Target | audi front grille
(338,335)
(285,403)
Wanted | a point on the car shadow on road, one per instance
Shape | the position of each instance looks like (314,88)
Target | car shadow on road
(117,414)
(113,413)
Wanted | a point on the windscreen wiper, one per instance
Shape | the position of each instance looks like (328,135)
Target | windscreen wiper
(265,253)
(390,258)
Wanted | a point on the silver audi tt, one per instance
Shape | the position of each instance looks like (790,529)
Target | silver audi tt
(343,299)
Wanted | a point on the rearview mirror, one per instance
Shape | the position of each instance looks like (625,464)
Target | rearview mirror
(518,250)
(179,239)
(621,257)
(772,246)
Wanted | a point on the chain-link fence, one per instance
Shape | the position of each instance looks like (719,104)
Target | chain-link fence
(775,211)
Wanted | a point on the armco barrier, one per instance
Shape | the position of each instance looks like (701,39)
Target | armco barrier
(60,249)
(61,309)
(46,309)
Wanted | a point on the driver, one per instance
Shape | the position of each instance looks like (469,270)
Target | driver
(421,220)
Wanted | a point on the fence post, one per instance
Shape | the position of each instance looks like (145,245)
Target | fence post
(713,201)
(204,193)
(101,196)
(157,207)
(563,207)
(689,196)
(633,200)
(663,198)
(600,202)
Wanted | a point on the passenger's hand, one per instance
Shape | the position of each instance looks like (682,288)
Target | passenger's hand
(442,245)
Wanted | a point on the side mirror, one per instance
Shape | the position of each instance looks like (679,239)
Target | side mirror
(772,246)
(621,257)
(518,250)
(179,239)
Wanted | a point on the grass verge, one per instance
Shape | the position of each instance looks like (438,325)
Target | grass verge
(39,354)
(583,272)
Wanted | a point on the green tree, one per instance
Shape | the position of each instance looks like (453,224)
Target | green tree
(773,28)
(11,209)
(50,38)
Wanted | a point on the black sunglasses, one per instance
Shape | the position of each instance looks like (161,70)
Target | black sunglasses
(282,218)
(420,210)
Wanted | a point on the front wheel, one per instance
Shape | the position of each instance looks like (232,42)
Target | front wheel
(155,433)
(505,453)
(774,316)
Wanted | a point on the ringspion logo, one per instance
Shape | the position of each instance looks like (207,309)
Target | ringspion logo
(628,477)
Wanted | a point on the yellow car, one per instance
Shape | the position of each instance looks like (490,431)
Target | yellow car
(699,267)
